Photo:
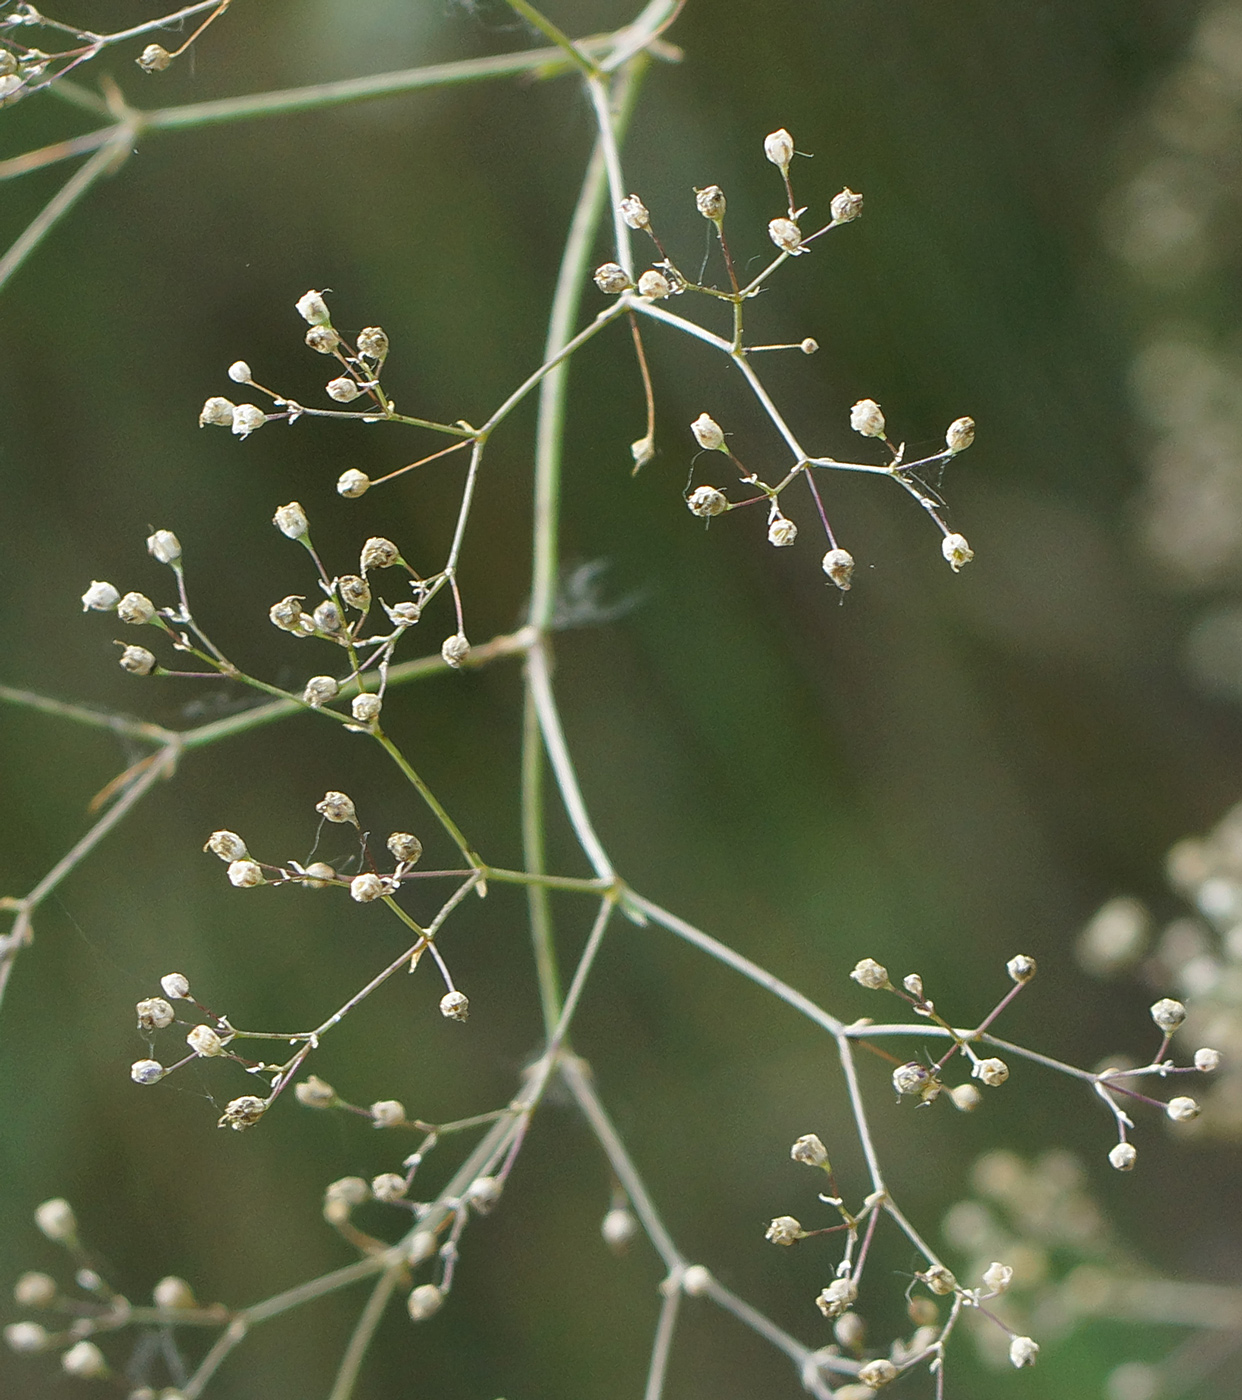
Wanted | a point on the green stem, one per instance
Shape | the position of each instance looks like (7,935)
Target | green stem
(430,799)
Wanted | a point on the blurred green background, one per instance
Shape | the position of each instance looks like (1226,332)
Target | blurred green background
(938,772)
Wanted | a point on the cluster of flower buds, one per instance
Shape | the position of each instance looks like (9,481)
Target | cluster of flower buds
(136,609)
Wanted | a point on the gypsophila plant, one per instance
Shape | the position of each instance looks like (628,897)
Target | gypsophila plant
(361,625)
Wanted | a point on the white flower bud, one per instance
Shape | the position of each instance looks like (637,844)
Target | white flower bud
(1182,1109)
(354,591)
(154,1014)
(406,848)
(34,1290)
(146,1071)
(154,58)
(781,532)
(849,1329)
(965,1097)
(960,435)
(786,235)
(1123,1156)
(618,1227)
(611,278)
(100,597)
(56,1220)
(319,876)
(837,1297)
(340,1197)
(869,973)
(913,984)
(403,614)
(164,547)
(352,483)
(217,411)
(696,1281)
(1021,968)
(706,501)
(778,146)
(635,214)
(343,389)
(993,1072)
(138,661)
(378,553)
(387,1113)
(320,690)
(373,343)
(877,1373)
(323,340)
(1207,1060)
(997,1278)
(313,308)
(483,1193)
(288,615)
(1023,1351)
(455,650)
(291,521)
(85,1361)
(245,874)
(313,1092)
(366,708)
(710,202)
(838,564)
(1168,1014)
(205,1042)
(337,807)
(708,433)
(367,888)
(242,1113)
(911,1078)
(956,551)
(175,985)
(136,609)
(173,1293)
(227,845)
(388,1187)
(455,1006)
(654,284)
(239,372)
(810,1151)
(940,1280)
(809,346)
(424,1301)
(247,419)
(866,418)
(784,1230)
(846,206)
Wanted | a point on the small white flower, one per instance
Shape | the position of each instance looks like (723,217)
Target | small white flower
(778,146)
(1023,1351)
(956,551)
(26,1336)
(786,235)
(245,874)
(871,974)
(706,501)
(455,650)
(136,609)
(838,564)
(388,1112)
(100,597)
(291,521)
(343,389)
(611,278)
(204,1041)
(138,661)
(960,435)
(1207,1060)
(352,483)
(239,372)
(784,1230)
(247,419)
(810,1151)
(877,1373)
(837,1297)
(635,214)
(216,411)
(388,1186)
(146,1071)
(337,807)
(1168,1014)
(846,206)
(425,1300)
(455,1006)
(1123,1156)
(84,1360)
(997,1278)
(992,1071)
(154,1014)
(367,888)
(175,985)
(164,547)
(781,532)
(655,285)
(56,1220)
(1182,1109)
(707,433)
(313,309)
(867,419)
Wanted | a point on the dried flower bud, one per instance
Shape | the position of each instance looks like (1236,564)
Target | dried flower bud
(313,1092)
(871,974)
(810,1151)
(654,284)
(1124,1156)
(837,1297)
(611,278)
(319,875)
(247,419)
(373,343)
(911,1078)
(993,1072)
(56,1220)
(85,1361)
(838,564)
(138,661)
(781,532)
(242,1113)
(1023,1351)
(850,1330)
(379,553)
(1168,1014)
(34,1290)
(366,707)
(940,1280)
(778,146)
(217,411)
(320,690)
(635,214)
(354,591)
(913,984)
(323,340)
(877,1374)
(425,1301)
(483,1193)
(960,435)
(340,1197)
(154,1014)
(403,614)
(136,609)
(337,807)
(313,308)
(1182,1109)
(352,483)
(173,1294)
(205,1042)
(846,206)
(708,433)
(388,1187)
(455,1006)
(175,985)
(642,450)
(100,597)
(343,389)
(367,888)
(618,1227)
(784,1230)
(245,874)
(154,58)
(786,235)
(406,848)
(710,202)
(288,615)
(866,418)
(809,346)
(696,1280)
(327,617)
(164,547)
(706,501)
(965,1097)
(239,372)
(147,1071)
(997,1278)
(1207,1060)
(291,521)
(1021,968)
(455,650)
(956,551)
(387,1113)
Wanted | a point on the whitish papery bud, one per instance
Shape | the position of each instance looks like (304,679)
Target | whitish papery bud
(100,597)
(313,1092)
(85,1361)
(911,1078)
(781,532)
(205,1042)
(218,412)
(138,661)
(706,501)
(327,617)
(696,1280)
(342,389)
(957,552)
(611,278)
(1023,1351)
(997,1278)
(809,346)
(850,1330)
(877,1374)
(618,1227)
(366,708)
(913,984)
(247,419)
(136,609)
(378,553)
(1124,1156)
(1182,1109)
(245,874)
(786,235)
(239,372)
(313,308)
(388,1187)
(654,284)
(455,650)
(838,564)
(173,1293)
(867,419)
(785,1229)
(837,1297)
(810,1151)
(1168,1014)
(154,58)
(455,1006)
(846,206)
(164,547)
(406,848)
(154,1014)
(634,213)
(387,1113)
(373,343)
(708,433)
(1207,1060)
(34,1290)
(940,1280)
(960,435)
(367,888)
(175,985)
(323,340)
(146,1071)
(778,146)
(319,875)
(965,1097)
(320,690)
(355,591)
(483,1194)
(1021,968)
(288,615)
(425,1301)
(870,974)
(56,1220)
(992,1071)
(352,483)
(403,614)
(710,202)
(337,807)
(227,845)
(291,521)
(340,1197)
(242,1113)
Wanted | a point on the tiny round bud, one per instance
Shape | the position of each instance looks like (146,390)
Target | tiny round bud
(837,1297)
(846,206)
(654,284)
(965,1097)
(785,1229)
(100,597)
(366,708)
(340,1197)
(706,501)
(136,609)
(849,1329)
(154,58)
(1168,1014)
(373,343)
(1207,1060)
(424,1301)
(34,1290)
(26,1336)
(147,1071)
(406,848)
(319,875)
(913,984)
(291,521)
(611,278)
(323,340)
(809,346)
(1021,968)
(85,1361)
(175,985)
(138,661)
(810,1151)
(710,202)
(781,532)
(319,691)
(216,411)
(343,389)
(352,483)
(388,1187)
(997,1278)
(378,553)
(877,1374)
(328,617)
(387,1113)
(1123,1156)
(455,650)
(696,1280)
(288,616)
(1182,1109)
(239,372)
(618,1227)
(786,235)
(164,547)
(956,551)
(911,1078)
(56,1220)
(708,433)
(354,591)
(173,1293)
(313,1092)
(993,1072)
(245,874)
(778,146)
(337,807)
(960,435)
(634,212)
(1023,1351)
(455,1006)
(838,564)
(940,1280)
(242,1113)
(483,1193)
(204,1041)
(312,308)
(247,419)
(867,419)
(869,973)
(367,888)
